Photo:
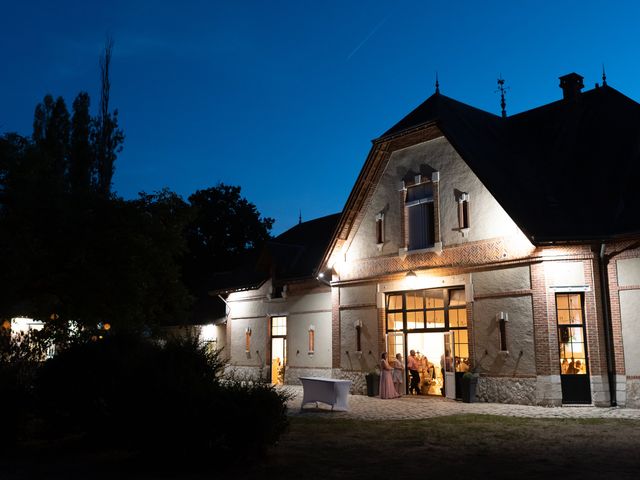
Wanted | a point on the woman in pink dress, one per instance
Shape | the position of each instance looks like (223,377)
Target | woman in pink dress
(387,388)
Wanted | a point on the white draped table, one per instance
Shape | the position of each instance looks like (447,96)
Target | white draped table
(331,391)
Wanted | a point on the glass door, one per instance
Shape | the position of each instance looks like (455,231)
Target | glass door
(278,349)
(395,345)
(446,363)
(574,368)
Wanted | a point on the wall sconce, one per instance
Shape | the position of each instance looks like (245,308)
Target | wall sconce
(312,339)
(503,318)
(247,340)
(412,279)
(358,325)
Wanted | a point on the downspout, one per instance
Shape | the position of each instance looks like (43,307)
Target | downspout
(608,327)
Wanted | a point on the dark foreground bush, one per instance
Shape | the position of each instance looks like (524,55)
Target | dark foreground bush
(161,401)
(19,361)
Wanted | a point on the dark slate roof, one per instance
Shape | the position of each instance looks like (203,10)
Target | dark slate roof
(564,171)
(291,256)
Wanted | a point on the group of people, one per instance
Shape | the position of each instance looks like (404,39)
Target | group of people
(571,368)
(392,373)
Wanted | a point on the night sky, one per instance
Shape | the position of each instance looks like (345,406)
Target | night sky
(283,97)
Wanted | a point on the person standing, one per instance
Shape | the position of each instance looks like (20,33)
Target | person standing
(413,365)
(398,373)
(387,389)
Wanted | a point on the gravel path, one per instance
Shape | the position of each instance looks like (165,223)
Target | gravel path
(412,407)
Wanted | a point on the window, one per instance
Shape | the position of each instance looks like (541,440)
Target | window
(457,316)
(420,215)
(571,340)
(358,325)
(434,309)
(312,339)
(502,329)
(247,340)
(463,211)
(380,229)
(278,326)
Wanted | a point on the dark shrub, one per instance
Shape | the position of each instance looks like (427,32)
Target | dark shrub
(20,357)
(161,400)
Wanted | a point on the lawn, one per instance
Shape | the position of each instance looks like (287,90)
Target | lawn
(321,447)
(461,446)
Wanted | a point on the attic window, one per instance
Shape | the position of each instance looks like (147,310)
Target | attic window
(463,211)
(420,215)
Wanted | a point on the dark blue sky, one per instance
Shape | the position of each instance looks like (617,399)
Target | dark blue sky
(283,97)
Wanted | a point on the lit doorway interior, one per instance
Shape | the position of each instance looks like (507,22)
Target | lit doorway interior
(278,349)
(429,349)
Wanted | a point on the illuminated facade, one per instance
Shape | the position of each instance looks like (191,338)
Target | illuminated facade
(508,247)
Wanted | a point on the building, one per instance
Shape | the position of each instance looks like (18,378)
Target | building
(508,246)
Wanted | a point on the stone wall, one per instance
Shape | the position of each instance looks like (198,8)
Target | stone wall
(358,381)
(633,393)
(507,390)
(292,374)
(240,372)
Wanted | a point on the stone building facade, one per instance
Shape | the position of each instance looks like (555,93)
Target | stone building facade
(453,242)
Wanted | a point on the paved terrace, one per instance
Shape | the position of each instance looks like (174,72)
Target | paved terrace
(413,407)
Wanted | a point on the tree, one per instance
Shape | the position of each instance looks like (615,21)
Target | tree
(81,161)
(226,226)
(51,129)
(126,269)
(108,137)
(70,247)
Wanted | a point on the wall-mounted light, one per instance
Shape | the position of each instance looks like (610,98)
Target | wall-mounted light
(411,279)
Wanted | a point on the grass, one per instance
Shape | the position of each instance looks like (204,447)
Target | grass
(459,446)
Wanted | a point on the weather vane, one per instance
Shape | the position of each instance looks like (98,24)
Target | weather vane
(437,84)
(502,89)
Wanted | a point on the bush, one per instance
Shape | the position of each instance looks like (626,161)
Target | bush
(165,401)
(20,357)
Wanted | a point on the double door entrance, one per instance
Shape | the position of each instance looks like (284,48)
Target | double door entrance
(434,355)
(432,323)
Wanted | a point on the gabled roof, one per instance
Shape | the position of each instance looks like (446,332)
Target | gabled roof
(291,256)
(578,164)
(564,172)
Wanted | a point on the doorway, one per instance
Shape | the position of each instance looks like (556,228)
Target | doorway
(278,349)
(429,348)
(574,365)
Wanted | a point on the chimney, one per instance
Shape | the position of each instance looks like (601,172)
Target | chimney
(571,84)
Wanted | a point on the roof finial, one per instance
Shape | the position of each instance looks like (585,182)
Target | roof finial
(300,217)
(437,83)
(502,89)
(604,77)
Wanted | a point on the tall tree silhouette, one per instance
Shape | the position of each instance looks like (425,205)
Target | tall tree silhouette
(109,137)
(81,159)
(51,127)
